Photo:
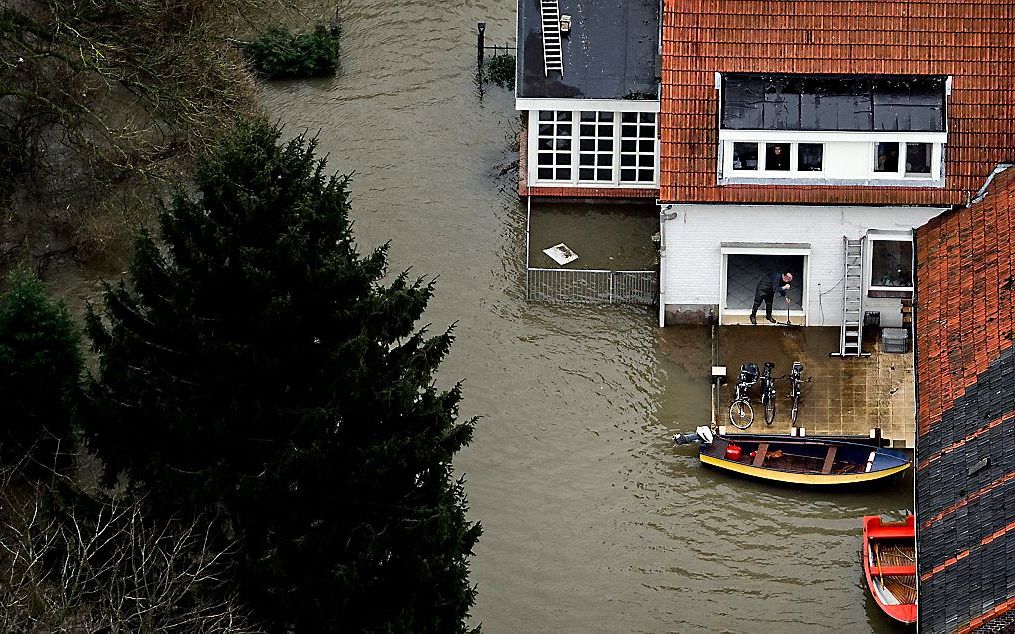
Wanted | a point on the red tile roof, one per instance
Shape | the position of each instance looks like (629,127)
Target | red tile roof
(965,445)
(965,315)
(971,41)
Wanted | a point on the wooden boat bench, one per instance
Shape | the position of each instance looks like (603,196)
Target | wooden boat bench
(893,571)
(826,468)
(759,458)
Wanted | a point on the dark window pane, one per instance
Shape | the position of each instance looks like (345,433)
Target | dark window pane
(563,144)
(628,175)
(777,157)
(587,145)
(604,175)
(606,130)
(781,108)
(646,160)
(629,131)
(628,160)
(745,156)
(545,144)
(585,173)
(742,99)
(588,115)
(628,146)
(545,130)
(563,115)
(544,173)
(545,158)
(646,146)
(887,159)
(587,130)
(647,131)
(563,174)
(629,117)
(604,160)
(606,117)
(892,263)
(918,158)
(646,176)
(909,103)
(809,157)
(835,103)
(647,117)
(587,159)
(606,145)
(546,115)
(563,158)
(563,129)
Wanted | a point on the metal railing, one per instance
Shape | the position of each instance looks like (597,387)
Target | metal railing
(591,286)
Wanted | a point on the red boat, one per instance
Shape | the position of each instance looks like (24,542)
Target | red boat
(889,563)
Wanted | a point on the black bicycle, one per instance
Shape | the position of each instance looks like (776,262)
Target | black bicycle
(741,412)
(795,393)
(768,393)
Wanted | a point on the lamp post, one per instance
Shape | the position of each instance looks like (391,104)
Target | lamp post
(480,42)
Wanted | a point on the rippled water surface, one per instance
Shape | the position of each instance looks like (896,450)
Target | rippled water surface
(592,520)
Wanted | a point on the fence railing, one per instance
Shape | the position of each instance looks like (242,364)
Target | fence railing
(591,286)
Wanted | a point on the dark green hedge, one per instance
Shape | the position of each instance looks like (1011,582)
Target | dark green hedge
(279,54)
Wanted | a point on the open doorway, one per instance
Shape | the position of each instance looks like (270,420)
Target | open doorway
(744,268)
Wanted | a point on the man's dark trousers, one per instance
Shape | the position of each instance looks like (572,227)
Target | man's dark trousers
(765,292)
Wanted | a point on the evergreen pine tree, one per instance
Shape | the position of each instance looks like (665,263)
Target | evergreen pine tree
(40,365)
(255,363)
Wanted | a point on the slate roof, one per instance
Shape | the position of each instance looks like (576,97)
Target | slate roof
(611,53)
(971,41)
(965,446)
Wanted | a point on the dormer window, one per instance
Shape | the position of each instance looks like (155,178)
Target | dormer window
(832,129)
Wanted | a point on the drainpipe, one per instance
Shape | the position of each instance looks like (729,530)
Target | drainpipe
(663,217)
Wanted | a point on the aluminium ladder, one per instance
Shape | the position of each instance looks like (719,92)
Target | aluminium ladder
(851,333)
(553,58)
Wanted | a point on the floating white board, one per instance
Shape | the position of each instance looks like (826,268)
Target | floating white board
(561,254)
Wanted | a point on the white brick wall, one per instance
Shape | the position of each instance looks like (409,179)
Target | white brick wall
(692,259)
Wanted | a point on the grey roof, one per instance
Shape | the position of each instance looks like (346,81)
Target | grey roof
(612,51)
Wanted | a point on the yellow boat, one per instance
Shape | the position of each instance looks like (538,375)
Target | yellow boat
(810,462)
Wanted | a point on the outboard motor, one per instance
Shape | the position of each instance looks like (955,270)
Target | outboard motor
(702,434)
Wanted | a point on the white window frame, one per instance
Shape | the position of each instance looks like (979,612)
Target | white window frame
(886,236)
(576,108)
(728,249)
(793,138)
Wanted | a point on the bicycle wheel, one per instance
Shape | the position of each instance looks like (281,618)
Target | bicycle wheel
(796,408)
(769,408)
(741,414)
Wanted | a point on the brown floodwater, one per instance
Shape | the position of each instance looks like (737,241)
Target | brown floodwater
(592,520)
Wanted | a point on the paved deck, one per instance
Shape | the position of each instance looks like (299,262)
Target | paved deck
(844,397)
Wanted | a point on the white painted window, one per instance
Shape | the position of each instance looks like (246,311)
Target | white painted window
(596,147)
(637,147)
(891,262)
(553,148)
(870,158)
(601,148)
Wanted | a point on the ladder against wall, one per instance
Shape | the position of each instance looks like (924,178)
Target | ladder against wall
(553,58)
(851,332)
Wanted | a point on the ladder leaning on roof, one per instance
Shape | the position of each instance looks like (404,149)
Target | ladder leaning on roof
(851,333)
(552,55)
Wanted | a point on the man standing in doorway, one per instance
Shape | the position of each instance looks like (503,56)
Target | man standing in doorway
(765,292)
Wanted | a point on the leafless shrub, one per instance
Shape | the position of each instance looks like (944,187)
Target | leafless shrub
(100,564)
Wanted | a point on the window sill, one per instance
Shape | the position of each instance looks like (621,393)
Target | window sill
(834,182)
(889,294)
